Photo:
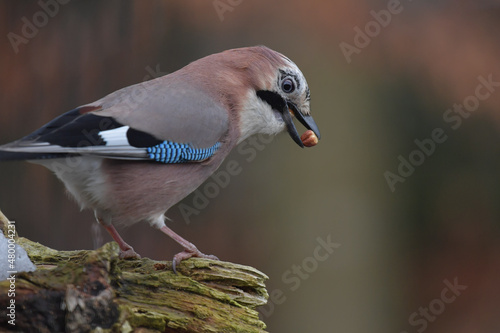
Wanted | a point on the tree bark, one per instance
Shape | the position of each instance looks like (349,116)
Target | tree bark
(95,291)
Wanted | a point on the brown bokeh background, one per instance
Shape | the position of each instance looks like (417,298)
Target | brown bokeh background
(396,248)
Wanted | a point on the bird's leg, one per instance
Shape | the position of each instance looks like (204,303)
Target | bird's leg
(127,251)
(190,249)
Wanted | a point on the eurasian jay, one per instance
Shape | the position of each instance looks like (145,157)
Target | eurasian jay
(136,152)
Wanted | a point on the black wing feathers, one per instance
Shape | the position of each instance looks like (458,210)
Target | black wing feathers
(141,139)
(76,129)
(73,129)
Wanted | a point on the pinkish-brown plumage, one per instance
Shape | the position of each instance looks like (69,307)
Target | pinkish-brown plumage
(144,190)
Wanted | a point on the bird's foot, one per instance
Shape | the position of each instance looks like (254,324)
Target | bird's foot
(129,254)
(189,253)
(189,249)
(126,251)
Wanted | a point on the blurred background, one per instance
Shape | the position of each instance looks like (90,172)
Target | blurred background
(414,216)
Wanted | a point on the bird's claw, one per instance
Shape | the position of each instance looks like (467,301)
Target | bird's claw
(129,254)
(189,253)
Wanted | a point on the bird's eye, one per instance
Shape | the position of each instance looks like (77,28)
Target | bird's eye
(288,85)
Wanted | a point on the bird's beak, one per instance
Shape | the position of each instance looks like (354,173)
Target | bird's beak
(306,120)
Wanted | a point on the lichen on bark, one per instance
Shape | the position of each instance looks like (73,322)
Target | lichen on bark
(95,291)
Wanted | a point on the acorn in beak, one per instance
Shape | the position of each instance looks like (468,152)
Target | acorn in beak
(308,139)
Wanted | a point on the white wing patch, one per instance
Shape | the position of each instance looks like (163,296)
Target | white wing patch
(116,136)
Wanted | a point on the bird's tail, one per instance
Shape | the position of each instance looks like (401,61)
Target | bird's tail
(21,156)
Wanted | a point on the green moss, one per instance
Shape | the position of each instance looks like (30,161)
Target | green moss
(141,318)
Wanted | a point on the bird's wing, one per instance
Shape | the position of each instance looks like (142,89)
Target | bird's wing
(154,120)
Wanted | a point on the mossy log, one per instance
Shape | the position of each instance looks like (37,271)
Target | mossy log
(95,291)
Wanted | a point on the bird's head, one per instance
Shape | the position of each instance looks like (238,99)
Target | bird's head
(273,91)
(288,96)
